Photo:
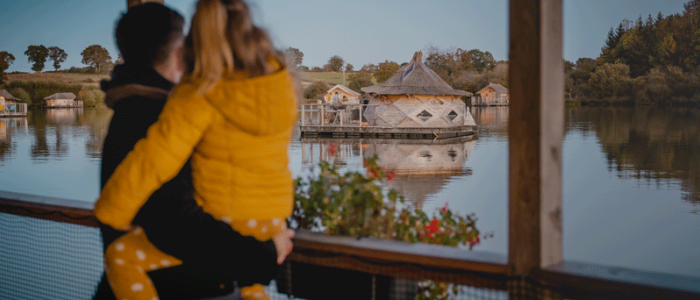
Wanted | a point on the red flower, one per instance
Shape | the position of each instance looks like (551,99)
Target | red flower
(433,227)
(391,175)
(444,209)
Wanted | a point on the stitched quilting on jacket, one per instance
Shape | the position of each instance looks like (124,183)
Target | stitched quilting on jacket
(237,134)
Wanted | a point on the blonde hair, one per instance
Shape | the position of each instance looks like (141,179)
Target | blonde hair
(223,42)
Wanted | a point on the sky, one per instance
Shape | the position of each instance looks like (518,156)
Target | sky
(360,31)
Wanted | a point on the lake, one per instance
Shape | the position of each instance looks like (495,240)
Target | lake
(631,175)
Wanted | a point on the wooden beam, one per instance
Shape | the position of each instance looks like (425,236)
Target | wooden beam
(535,134)
(132,3)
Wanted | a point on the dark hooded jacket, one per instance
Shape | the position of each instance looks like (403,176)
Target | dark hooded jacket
(214,255)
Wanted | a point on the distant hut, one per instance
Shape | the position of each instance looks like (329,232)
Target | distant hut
(493,94)
(62,100)
(344,92)
(7,98)
(415,96)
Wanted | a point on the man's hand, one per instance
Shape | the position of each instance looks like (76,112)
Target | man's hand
(283,244)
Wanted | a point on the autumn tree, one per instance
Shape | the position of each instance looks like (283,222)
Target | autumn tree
(6,59)
(385,70)
(37,55)
(96,56)
(336,63)
(349,68)
(359,80)
(294,57)
(58,56)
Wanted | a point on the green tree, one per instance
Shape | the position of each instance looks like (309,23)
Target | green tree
(20,93)
(96,56)
(482,61)
(369,68)
(349,68)
(58,56)
(359,80)
(611,80)
(316,90)
(386,69)
(294,57)
(336,63)
(37,55)
(6,59)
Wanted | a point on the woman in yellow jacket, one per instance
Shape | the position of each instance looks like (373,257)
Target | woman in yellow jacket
(234,115)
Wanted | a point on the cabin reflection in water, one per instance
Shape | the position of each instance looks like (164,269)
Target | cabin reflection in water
(423,167)
(9,126)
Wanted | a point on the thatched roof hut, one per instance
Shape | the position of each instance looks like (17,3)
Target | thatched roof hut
(415,78)
(8,97)
(415,96)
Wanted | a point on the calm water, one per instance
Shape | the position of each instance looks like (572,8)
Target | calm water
(631,176)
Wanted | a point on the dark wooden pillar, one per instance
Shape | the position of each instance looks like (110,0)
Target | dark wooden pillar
(535,134)
(130,3)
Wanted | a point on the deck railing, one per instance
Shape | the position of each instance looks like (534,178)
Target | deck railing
(329,114)
(471,269)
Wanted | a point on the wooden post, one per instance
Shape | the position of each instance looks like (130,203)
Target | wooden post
(303,115)
(132,3)
(535,134)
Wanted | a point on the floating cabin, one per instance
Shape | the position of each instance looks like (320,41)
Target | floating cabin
(347,96)
(61,100)
(11,106)
(416,97)
(492,95)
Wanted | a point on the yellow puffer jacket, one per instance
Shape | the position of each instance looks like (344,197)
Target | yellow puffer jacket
(239,133)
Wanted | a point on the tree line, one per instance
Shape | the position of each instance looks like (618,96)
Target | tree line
(94,56)
(469,70)
(648,61)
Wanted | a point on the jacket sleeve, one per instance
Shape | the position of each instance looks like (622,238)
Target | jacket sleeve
(155,159)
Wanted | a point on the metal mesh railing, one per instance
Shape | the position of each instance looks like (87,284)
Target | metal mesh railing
(42,259)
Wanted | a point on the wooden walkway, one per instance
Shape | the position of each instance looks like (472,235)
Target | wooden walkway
(12,114)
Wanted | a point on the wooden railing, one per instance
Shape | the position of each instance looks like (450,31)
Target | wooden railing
(328,114)
(420,261)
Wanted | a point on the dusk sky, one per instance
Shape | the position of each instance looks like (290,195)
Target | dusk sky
(360,31)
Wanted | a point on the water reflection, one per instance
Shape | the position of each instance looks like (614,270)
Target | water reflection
(423,167)
(658,147)
(492,121)
(8,128)
(52,129)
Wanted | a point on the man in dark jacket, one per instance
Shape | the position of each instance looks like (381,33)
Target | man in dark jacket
(150,39)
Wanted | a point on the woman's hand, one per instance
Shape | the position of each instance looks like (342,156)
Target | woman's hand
(283,244)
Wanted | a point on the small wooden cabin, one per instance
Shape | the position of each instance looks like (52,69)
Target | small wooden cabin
(416,97)
(62,100)
(493,94)
(346,95)
(7,98)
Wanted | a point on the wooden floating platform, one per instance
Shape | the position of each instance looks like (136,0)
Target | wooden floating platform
(12,114)
(354,131)
(356,140)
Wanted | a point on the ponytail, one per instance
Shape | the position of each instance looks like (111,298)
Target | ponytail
(224,42)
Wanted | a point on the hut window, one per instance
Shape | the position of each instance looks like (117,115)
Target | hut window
(452,115)
(424,115)
(408,70)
